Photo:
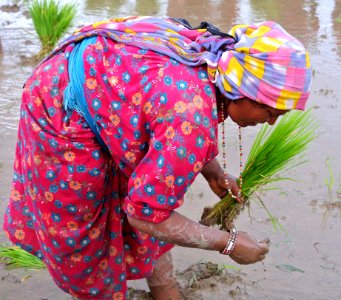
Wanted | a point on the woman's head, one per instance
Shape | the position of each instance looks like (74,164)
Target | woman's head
(267,65)
(246,112)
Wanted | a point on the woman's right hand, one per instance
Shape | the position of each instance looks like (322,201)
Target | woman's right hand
(248,250)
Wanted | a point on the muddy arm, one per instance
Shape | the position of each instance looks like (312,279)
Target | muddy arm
(179,230)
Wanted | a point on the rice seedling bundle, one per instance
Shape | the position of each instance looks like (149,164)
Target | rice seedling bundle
(51,19)
(275,150)
(15,257)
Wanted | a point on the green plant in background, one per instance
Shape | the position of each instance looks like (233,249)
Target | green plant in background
(274,151)
(15,257)
(50,19)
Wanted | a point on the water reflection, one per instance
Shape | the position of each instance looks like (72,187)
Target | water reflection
(110,9)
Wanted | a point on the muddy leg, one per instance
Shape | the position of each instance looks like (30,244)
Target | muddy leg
(162,283)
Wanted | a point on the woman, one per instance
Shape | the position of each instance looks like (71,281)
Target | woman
(116,124)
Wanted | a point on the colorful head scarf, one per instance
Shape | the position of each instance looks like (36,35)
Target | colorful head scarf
(262,62)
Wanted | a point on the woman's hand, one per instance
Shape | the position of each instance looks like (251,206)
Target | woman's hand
(248,250)
(215,177)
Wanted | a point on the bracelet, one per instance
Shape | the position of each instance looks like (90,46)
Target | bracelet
(231,243)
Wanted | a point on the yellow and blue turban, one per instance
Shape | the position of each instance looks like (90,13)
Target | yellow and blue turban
(262,62)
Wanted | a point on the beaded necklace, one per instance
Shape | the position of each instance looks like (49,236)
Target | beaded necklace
(224,156)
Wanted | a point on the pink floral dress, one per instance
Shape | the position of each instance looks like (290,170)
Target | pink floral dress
(70,199)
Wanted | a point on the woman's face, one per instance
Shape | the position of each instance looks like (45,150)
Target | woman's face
(246,112)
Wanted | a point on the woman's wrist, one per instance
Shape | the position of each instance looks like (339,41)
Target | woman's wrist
(231,242)
(221,242)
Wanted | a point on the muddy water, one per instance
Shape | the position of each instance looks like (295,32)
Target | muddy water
(305,258)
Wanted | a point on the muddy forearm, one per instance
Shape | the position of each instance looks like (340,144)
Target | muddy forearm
(181,231)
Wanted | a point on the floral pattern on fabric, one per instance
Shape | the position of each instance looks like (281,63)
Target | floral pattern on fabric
(70,200)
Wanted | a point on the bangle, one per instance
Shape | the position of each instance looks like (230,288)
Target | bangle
(231,243)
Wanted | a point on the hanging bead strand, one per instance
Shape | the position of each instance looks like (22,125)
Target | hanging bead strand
(224,146)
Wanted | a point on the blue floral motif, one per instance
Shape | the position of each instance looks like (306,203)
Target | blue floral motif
(206,122)
(92,72)
(174,62)
(116,105)
(208,90)
(63,185)
(85,241)
(53,143)
(137,134)
(53,188)
(42,122)
(90,59)
(71,169)
(96,104)
(203,74)
(147,211)
(51,111)
(161,199)
(168,80)
(55,244)
(149,189)
(50,175)
(200,141)
(118,60)
(181,152)
(171,200)
(144,80)
(91,195)
(122,277)
(181,85)
(96,154)
(71,208)
(143,69)
(56,217)
(108,281)
(197,118)
(58,203)
(126,77)
(134,270)
(134,120)
(192,158)
(190,175)
(94,291)
(158,145)
(81,168)
(214,114)
(163,98)
(180,180)
(147,87)
(160,161)
(54,91)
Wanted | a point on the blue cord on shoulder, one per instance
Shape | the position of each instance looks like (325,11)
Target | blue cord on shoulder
(74,97)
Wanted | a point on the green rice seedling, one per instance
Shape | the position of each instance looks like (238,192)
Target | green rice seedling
(15,257)
(50,19)
(274,151)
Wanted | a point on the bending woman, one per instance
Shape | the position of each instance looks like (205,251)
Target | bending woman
(116,124)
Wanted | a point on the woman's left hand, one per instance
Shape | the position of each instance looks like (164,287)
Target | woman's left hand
(215,177)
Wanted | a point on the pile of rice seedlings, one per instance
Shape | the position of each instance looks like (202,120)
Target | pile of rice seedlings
(15,257)
(51,19)
(275,150)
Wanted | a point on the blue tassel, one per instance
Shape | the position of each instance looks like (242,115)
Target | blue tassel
(74,97)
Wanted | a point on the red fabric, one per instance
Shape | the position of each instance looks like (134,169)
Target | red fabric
(69,199)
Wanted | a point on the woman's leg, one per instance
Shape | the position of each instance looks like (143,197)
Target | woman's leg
(162,283)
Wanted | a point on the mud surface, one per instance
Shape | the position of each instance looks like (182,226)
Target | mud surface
(305,257)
